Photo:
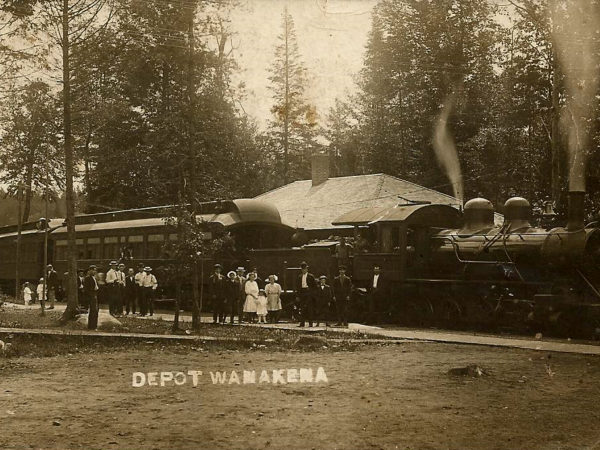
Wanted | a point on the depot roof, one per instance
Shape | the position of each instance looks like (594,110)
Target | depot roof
(312,207)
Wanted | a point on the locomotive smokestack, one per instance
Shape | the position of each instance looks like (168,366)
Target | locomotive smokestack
(576,218)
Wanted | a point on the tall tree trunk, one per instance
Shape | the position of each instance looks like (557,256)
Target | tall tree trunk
(555,138)
(69,168)
(28,189)
(86,168)
(192,200)
(27,203)
(286,112)
(18,255)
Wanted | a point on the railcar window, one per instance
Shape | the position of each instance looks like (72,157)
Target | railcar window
(30,252)
(111,247)
(80,249)
(93,249)
(135,246)
(61,250)
(396,238)
(155,245)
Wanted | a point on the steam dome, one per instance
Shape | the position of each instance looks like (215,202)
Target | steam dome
(478,214)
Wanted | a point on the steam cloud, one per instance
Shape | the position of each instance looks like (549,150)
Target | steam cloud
(576,36)
(445,150)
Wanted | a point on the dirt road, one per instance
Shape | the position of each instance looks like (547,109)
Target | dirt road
(397,396)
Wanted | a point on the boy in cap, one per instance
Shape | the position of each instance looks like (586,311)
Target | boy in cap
(324,298)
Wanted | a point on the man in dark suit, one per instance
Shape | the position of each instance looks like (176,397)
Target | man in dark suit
(259,281)
(323,300)
(376,290)
(130,292)
(52,284)
(232,293)
(237,308)
(90,291)
(216,288)
(342,290)
(305,291)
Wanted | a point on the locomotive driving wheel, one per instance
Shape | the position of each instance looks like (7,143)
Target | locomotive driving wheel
(420,312)
(450,312)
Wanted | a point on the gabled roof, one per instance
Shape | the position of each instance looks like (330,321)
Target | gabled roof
(302,205)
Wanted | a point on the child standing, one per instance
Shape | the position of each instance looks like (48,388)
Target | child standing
(261,306)
(41,295)
(27,294)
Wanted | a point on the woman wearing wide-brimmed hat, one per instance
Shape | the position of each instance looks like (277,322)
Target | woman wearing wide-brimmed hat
(251,290)
(273,290)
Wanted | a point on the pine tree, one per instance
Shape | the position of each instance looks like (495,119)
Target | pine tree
(292,130)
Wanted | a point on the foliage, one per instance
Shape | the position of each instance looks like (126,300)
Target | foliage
(510,94)
(31,156)
(136,107)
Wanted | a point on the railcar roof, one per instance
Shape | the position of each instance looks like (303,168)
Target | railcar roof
(423,213)
(245,211)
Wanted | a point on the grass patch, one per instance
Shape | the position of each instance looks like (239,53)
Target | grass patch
(31,319)
(41,346)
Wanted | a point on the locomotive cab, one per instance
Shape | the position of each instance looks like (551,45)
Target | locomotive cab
(402,244)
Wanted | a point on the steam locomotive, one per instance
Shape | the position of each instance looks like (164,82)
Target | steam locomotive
(454,271)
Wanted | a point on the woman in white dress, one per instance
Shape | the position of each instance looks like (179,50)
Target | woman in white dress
(251,289)
(273,291)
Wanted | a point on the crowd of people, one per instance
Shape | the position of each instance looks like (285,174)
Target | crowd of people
(253,300)
(246,296)
(237,294)
(125,291)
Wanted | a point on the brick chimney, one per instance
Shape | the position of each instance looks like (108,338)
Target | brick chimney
(320,168)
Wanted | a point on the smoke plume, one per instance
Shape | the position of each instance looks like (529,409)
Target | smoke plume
(576,37)
(445,150)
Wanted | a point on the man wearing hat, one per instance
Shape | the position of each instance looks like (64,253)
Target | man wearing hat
(149,284)
(342,290)
(139,290)
(323,300)
(232,294)
(120,289)
(90,291)
(216,290)
(376,297)
(112,284)
(52,284)
(241,297)
(305,290)
(130,292)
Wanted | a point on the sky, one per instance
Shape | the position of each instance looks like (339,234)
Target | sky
(331,34)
